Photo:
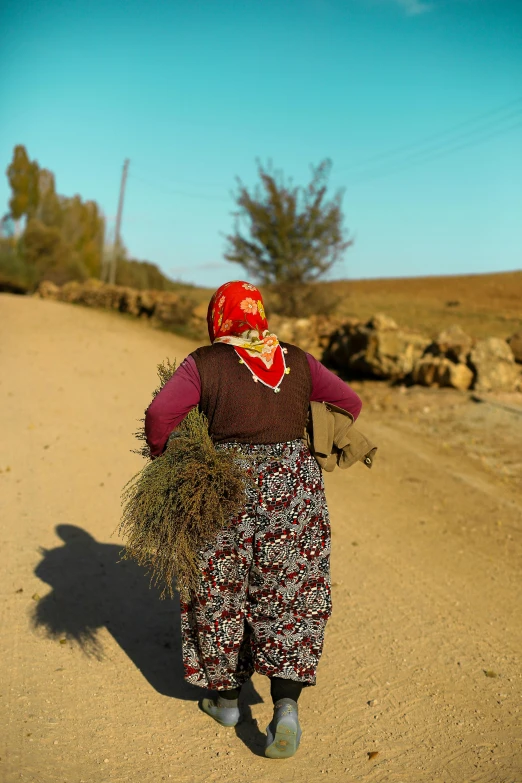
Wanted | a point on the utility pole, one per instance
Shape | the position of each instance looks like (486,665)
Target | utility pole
(116,246)
(107,254)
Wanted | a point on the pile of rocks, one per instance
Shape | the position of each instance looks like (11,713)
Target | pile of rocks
(494,365)
(515,343)
(445,361)
(376,349)
(311,334)
(455,359)
(380,349)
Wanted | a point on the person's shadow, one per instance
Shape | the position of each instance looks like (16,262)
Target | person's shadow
(93,588)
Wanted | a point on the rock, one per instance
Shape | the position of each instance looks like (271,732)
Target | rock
(48,290)
(172,309)
(198,322)
(457,376)
(382,322)
(311,334)
(70,292)
(440,371)
(94,293)
(428,371)
(453,343)
(200,311)
(130,301)
(515,343)
(494,365)
(323,326)
(298,331)
(363,350)
(145,302)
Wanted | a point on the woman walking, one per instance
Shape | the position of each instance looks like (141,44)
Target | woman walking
(263,599)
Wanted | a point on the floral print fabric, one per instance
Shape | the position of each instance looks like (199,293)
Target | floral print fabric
(264,598)
(236,316)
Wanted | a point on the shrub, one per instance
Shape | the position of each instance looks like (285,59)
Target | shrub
(180,501)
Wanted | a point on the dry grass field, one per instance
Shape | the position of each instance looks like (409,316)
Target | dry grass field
(483,305)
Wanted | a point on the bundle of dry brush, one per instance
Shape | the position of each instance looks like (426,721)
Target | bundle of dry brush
(179,502)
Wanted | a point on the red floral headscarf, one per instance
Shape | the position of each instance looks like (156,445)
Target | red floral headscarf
(236,316)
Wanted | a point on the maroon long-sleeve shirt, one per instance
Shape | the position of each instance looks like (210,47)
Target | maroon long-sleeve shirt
(183,392)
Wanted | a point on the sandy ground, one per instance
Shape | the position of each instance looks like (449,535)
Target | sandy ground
(422,656)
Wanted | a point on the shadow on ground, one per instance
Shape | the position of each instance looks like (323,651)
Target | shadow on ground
(92,588)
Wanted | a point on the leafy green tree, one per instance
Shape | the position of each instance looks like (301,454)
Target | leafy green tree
(16,276)
(295,236)
(63,237)
(49,209)
(75,234)
(46,252)
(142,275)
(83,229)
(22,174)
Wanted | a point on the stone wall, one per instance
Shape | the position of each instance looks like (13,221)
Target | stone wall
(162,308)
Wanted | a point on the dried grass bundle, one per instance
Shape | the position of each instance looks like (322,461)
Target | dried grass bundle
(180,501)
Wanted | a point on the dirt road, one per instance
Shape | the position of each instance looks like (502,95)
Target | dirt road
(422,656)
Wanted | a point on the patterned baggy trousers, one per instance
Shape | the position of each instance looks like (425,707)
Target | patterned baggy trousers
(264,596)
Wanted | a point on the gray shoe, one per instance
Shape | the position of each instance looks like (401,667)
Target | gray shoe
(283,734)
(225,712)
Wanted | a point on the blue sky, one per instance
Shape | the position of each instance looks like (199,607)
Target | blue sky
(418,103)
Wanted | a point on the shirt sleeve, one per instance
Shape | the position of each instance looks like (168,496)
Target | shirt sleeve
(327,387)
(180,394)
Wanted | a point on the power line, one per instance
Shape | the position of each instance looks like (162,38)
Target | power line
(172,192)
(424,154)
(163,175)
(440,134)
(411,163)
(450,144)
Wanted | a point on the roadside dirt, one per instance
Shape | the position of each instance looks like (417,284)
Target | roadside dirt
(422,657)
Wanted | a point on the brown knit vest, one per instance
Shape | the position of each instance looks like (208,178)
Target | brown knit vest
(238,409)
